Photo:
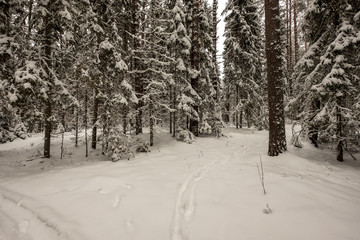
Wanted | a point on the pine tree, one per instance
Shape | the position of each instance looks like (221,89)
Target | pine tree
(277,138)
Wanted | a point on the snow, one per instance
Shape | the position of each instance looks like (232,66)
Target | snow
(106,45)
(121,65)
(206,190)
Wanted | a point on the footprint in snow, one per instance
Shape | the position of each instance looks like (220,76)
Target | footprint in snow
(24,226)
(129,226)
(117,201)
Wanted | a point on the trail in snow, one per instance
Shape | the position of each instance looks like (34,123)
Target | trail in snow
(185,205)
(30,208)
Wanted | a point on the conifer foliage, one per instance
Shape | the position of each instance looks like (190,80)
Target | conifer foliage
(101,66)
(327,76)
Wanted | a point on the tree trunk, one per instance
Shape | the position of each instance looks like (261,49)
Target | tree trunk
(277,138)
(48,128)
(48,102)
(241,119)
(124,119)
(296,41)
(237,107)
(287,39)
(95,118)
(137,78)
(214,40)
(151,120)
(339,131)
(77,117)
(171,114)
(86,122)
(290,38)
(194,61)
(174,113)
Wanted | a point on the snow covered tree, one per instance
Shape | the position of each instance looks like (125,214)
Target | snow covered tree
(277,138)
(39,75)
(180,88)
(327,76)
(11,13)
(153,56)
(242,62)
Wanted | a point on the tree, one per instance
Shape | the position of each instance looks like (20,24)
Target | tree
(328,74)
(242,62)
(277,138)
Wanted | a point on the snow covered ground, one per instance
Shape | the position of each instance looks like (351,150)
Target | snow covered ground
(209,190)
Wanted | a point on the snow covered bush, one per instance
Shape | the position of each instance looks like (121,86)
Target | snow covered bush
(185,136)
(116,145)
(141,146)
(205,128)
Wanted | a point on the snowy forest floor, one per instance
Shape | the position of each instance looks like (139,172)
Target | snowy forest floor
(209,190)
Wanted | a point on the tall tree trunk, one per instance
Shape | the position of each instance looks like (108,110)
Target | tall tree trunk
(339,130)
(86,122)
(95,118)
(77,117)
(290,38)
(30,6)
(296,41)
(151,121)
(194,61)
(241,119)
(135,66)
(124,119)
(227,106)
(214,41)
(277,138)
(171,114)
(48,102)
(237,107)
(175,111)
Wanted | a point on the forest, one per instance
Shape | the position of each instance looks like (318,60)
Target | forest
(115,66)
(179,119)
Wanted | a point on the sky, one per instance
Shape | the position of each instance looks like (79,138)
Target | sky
(220,31)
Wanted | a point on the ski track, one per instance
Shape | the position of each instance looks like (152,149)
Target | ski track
(27,204)
(185,205)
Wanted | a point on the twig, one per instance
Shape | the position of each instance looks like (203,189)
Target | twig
(350,154)
(261,174)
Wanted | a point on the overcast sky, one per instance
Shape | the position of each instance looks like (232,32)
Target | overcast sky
(220,32)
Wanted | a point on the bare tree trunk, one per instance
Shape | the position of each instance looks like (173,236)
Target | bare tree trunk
(290,38)
(151,119)
(194,61)
(30,6)
(86,122)
(296,41)
(48,102)
(95,118)
(241,119)
(277,139)
(77,117)
(171,114)
(62,134)
(237,106)
(175,112)
(138,80)
(214,40)
(124,119)
(339,132)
